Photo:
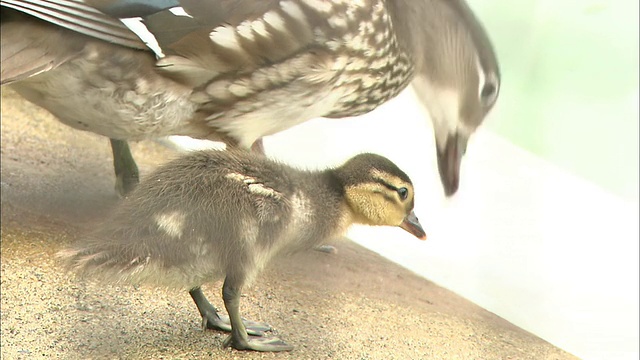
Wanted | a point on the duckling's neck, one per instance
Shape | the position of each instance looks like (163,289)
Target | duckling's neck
(321,208)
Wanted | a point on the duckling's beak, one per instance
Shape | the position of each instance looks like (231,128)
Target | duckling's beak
(412,225)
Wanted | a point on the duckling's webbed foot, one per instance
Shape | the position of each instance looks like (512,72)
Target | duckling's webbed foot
(214,321)
(257,343)
(239,339)
(127,176)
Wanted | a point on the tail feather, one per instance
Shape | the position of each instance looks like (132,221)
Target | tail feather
(131,265)
(106,265)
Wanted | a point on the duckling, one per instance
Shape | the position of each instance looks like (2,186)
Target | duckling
(226,214)
(236,71)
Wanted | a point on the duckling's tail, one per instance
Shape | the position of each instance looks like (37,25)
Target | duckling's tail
(134,263)
(101,263)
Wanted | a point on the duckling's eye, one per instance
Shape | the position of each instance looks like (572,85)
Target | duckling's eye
(404,193)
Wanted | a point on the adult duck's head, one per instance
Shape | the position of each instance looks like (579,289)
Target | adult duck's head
(457,76)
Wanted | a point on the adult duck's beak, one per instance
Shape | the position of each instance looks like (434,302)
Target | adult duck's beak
(449,158)
(412,225)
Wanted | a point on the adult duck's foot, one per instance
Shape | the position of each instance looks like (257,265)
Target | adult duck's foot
(127,176)
(272,344)
(329,249)
(212,320)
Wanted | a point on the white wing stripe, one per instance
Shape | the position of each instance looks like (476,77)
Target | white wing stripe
(139,28)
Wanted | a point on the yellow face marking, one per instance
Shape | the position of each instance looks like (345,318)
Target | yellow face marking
(377,201)
(392,180)
(388,178)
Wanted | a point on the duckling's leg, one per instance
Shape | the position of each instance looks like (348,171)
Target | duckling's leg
(212,320)
(239,338)
(125,167)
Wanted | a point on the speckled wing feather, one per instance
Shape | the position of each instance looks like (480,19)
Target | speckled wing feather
(252,67)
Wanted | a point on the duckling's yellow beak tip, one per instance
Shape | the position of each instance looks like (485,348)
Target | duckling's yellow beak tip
(412,225)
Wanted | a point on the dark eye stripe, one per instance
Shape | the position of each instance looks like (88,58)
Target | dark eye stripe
(386,184)
(393,188)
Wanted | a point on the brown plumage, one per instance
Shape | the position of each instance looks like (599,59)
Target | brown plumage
(238,70)
(226,214)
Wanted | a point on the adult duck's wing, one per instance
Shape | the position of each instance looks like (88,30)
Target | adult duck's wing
(30,45)
(80,17)
(179,32)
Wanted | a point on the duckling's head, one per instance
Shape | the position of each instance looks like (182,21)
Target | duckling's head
(379,193)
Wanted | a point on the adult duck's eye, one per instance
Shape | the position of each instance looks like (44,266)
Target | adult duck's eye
(489,93)
(404,193)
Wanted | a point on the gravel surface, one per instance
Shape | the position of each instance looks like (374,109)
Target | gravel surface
(57,183)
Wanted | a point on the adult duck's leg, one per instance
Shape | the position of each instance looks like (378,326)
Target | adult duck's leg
(125,167)
(212,320)
(239,339)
